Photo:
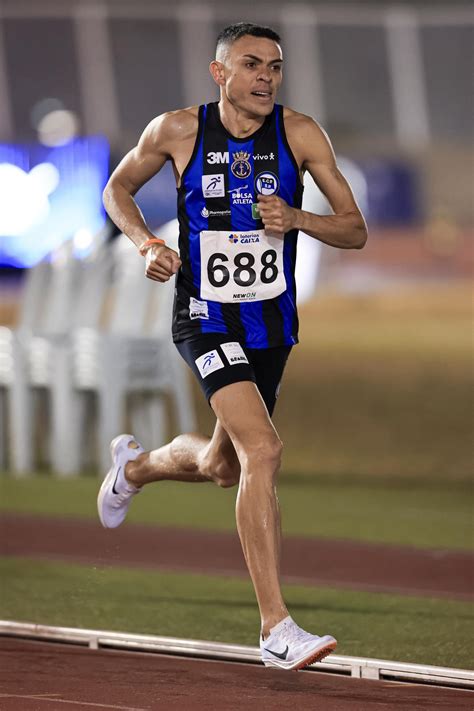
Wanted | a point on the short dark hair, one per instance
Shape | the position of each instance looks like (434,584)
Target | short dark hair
(234,32)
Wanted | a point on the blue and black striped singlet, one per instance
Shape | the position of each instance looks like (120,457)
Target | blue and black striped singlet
(234,278)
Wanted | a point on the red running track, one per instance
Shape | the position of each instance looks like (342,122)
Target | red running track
(37,676)
(344,564)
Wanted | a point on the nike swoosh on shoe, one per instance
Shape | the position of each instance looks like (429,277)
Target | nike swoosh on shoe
(280,655)
(114,491)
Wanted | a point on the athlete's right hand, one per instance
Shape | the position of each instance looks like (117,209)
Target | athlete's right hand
(161,263)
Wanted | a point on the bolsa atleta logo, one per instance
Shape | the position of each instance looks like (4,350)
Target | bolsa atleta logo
(241,196)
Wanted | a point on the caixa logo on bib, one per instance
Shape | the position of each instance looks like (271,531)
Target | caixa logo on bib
(247,238)
(267,183)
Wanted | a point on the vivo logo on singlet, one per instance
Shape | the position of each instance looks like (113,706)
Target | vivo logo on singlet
(214,157)
(218,157)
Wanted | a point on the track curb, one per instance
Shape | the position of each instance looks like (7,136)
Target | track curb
(356,667)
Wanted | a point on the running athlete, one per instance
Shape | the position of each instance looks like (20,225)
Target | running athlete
(239,165)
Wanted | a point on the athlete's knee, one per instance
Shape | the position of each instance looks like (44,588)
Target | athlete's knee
(226,474)
(263,456)
(221,469)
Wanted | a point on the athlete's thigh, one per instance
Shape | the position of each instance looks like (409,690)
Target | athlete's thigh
(216,360)
(227,378)
(268,365)
(242,413)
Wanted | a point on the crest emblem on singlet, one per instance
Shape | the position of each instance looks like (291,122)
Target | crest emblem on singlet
(267,183)
(241,167)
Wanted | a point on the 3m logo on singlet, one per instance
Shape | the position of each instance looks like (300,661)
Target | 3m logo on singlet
(214,157)
(218,157)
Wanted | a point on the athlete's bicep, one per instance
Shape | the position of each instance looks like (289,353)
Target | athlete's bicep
(143,161)
(321,164)
(334,187)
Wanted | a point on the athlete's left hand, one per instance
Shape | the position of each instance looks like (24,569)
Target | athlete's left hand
(276,214)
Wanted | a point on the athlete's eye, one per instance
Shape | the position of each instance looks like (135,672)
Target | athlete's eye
(250,64)
(276,68)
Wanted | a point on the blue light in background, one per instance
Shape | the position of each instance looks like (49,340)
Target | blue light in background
(49,195)
(157,198)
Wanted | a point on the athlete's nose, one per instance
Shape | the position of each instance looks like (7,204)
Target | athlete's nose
(265,75)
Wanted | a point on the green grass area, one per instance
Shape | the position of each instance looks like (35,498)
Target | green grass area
(223,609)
(379,385)
(393,511)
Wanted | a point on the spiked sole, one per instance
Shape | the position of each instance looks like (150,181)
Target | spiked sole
(317,656)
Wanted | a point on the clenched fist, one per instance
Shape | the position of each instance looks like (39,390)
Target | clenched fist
(161,263)
(276,214)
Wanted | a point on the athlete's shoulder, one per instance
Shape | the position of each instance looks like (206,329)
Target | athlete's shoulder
(173,126)
(301,125)
(307,139)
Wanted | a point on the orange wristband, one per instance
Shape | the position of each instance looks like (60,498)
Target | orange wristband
(154,240)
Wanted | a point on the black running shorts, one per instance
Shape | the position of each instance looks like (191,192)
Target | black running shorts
(218,360)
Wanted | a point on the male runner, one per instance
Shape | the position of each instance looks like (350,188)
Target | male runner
(239,165)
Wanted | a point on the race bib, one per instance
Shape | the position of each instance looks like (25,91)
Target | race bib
(241,266)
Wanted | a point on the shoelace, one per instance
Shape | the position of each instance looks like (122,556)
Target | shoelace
(293,633)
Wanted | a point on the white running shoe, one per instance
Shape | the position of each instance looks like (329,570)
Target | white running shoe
(115,495)
(290,647)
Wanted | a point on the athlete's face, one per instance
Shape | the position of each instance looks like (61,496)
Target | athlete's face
(250,74)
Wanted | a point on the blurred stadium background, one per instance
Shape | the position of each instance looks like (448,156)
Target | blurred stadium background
(374,410)
(378,384)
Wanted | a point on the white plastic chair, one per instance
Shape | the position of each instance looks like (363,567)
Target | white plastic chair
(15,400)
(32,359)
(67,406)
(41,359)
(134,356)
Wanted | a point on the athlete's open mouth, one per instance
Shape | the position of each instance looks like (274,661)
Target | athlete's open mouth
(262,94)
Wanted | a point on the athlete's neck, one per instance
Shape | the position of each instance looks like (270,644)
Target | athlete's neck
(238,122)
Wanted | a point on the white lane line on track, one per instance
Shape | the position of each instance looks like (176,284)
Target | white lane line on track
(47,697)
(31,696)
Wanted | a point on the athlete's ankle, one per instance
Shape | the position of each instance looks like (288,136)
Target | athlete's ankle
(270,623)
(132,471)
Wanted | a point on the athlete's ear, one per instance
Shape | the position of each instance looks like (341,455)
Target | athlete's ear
(217,71)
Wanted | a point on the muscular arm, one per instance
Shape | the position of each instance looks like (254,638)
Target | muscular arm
(345,229)
(162,140)
(134,170)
